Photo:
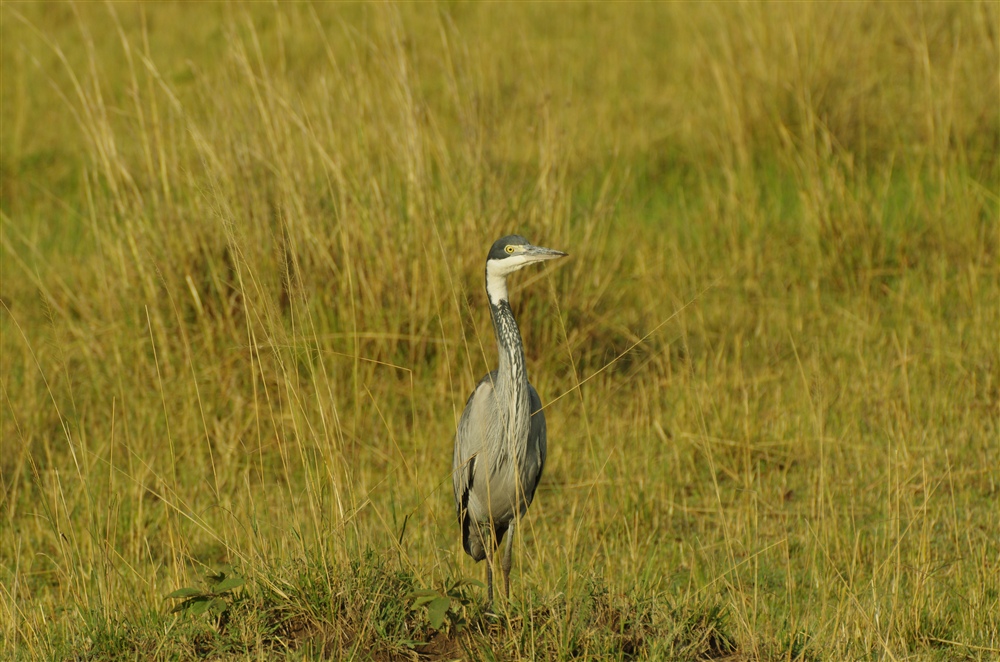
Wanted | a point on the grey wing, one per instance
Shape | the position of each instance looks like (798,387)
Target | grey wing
(469,441)
(463,459)
(469,437)
(535,457)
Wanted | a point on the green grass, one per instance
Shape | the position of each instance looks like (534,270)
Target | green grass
(241,280)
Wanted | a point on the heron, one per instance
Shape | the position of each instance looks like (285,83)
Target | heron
(500,441)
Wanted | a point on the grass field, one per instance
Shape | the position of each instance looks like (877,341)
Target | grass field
(242,308)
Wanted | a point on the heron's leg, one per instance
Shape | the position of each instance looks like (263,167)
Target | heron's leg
(489,579)
(505,562)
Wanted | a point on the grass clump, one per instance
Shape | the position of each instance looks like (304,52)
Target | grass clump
(368,610)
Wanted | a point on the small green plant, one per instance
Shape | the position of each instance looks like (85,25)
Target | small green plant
(214,600)
(445,608)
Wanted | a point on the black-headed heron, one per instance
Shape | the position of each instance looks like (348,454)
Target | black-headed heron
(500,442)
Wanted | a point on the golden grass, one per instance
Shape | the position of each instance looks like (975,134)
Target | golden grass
(242,252)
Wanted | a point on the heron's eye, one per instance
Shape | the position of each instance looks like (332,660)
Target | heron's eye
(509,249)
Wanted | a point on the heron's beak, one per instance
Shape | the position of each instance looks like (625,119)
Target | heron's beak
(539,254)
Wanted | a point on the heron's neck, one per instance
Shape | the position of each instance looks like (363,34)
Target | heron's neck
(512,375)
(512,370)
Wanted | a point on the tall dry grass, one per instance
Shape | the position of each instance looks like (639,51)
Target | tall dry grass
(242,289)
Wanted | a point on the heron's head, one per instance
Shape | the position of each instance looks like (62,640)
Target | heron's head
(506,256)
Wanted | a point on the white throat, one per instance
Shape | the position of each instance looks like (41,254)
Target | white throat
(496,282)
(496,276)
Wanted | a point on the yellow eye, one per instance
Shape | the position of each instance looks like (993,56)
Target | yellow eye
(509,248)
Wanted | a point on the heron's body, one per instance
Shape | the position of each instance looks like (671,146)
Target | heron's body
(500,443)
